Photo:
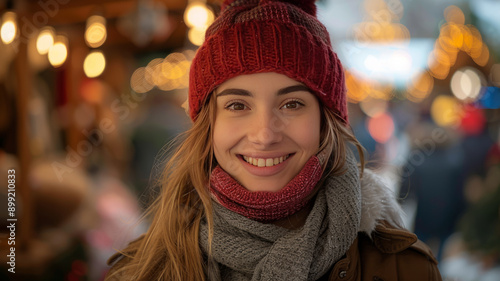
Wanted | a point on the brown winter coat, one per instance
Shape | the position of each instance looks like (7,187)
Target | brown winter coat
(379,253)
(391,254)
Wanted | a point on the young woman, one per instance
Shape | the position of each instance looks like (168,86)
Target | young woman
(264,186)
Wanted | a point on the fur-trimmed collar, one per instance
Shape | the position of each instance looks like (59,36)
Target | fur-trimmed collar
(378,203)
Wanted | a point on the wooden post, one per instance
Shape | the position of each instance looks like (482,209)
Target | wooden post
(24,231)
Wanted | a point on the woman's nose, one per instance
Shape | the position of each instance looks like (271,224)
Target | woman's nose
(266,129)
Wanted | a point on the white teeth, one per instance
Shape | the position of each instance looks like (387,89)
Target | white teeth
(265,162)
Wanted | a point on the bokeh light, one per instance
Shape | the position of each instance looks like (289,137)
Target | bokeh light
(59,51)
(373,107)
(196,36)
(8,31)
(420,87)
(381,127)
(446,111)
(138,81)
(466,84)
(439,64)
(357,89)
(198,15)
(93,90)
(45,40)
(490,98)
(454,14)
(95,33)
(483,57)
(166,74)
(94,64)
(473,121)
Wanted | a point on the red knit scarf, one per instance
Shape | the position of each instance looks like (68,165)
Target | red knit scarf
(266,206)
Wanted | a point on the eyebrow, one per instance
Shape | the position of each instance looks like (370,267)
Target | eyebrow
(283,91)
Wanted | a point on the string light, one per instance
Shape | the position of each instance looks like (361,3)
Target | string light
(8,31)
(45,40)
(59,51)
(94,64)
(95,33)
(466,84)
(196,36)
(197,15)
(446,111)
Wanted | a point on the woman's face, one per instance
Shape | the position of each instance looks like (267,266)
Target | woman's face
(267,126)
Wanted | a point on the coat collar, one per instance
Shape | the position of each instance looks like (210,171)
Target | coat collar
(382,218)
(378,204)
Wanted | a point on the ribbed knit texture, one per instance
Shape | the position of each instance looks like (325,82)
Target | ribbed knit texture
(266,206)
(255,36)
(244,249)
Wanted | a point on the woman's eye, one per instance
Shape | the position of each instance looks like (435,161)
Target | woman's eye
(236,106)
(292,105)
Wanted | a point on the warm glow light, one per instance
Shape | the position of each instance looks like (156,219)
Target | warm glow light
(373,107)
(94,64)
(189,54)
(139,83)
(484,56)
(437,69)
(9,28)
(420,87)
(383,92)
(95,33)
(176,57)
(381,127)
(58,52)
(45,40)
(93,90)
(166,74)
(197,15)
(454,14)
(466,84)
(174,66)
(152,70)
(196,36)
(169,85)
(446,111)
(357,90)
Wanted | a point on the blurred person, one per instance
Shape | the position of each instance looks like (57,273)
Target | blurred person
(263,186)
(433,178)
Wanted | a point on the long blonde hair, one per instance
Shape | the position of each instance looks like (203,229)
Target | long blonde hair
(170,248)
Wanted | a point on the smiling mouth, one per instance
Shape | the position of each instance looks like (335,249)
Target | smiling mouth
(265,162)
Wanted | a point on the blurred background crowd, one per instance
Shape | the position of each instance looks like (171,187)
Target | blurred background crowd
(92,91)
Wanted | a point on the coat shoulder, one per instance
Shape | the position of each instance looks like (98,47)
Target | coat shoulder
(396,254)
(390,240)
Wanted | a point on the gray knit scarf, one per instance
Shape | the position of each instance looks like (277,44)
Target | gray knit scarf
(244,249)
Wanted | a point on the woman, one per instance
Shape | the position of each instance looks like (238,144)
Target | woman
(264,187)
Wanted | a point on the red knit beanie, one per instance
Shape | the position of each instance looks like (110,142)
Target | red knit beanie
(252,36)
